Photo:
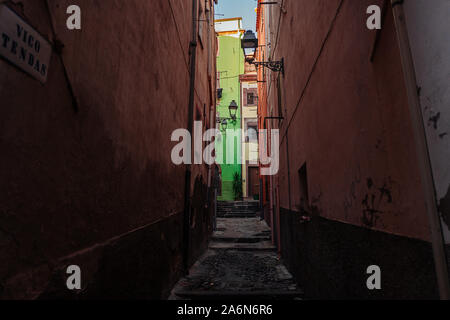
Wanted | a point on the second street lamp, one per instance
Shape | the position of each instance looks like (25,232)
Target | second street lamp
(233,108)
(224,125)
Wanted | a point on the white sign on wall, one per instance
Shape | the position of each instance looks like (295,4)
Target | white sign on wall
(23,46)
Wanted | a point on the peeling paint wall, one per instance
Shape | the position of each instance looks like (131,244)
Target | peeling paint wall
(428,27)
(346,117)
(347,129)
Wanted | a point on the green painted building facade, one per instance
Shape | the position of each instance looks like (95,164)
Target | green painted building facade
(230,65)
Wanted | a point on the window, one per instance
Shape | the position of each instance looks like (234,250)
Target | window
(250,98)
(252,133)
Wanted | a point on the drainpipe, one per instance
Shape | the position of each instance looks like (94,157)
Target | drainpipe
(421,149)
(187,181)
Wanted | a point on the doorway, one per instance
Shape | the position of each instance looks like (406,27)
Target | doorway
(253,183)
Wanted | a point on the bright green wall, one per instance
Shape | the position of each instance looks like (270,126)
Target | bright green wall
(230,64)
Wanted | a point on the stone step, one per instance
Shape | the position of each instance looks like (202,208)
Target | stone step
(239,208)
(238,205)
(233,216)
(238,212)
(258,246)
(236,209)
(255,239)
(241,295)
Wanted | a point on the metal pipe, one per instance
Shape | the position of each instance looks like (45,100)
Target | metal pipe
(422,151)
(187,181)
(271,118)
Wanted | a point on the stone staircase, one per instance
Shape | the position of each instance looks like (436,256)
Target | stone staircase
(237,209)
(241,263)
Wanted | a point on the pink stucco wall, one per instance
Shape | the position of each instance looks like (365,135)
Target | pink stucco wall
(71,181)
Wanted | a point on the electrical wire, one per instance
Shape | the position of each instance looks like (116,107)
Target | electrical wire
(312,70)
(181,45)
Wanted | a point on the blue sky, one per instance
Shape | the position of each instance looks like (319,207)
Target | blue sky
(238,8)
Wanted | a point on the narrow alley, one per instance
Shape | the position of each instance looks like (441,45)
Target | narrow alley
(224,150)
(241,262)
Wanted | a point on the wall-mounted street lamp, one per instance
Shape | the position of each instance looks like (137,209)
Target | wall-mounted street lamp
(233,110)
(224,124)
(249,42)
(249,45)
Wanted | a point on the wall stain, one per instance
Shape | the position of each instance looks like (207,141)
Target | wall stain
(433,120)
(444,208)
(315,202)
(352,198)
(373,200)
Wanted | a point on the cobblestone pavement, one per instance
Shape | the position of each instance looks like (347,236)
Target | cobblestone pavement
(240,262)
